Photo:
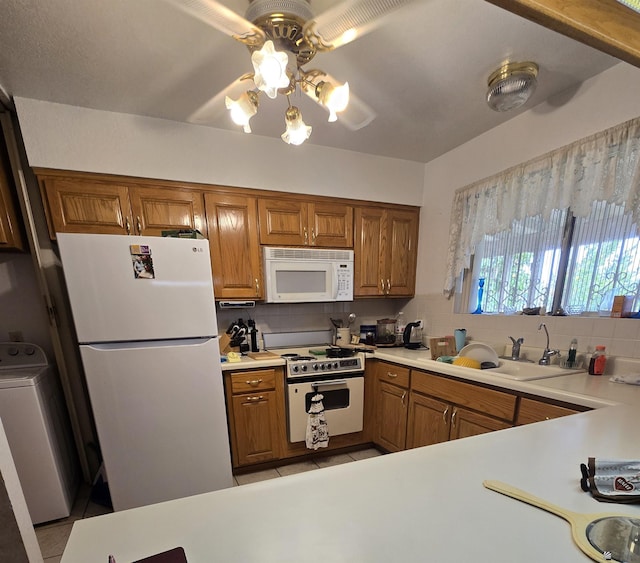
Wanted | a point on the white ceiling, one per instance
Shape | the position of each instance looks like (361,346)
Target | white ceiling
(423,71)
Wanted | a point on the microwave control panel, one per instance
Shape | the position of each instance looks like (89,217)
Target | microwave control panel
(345,282)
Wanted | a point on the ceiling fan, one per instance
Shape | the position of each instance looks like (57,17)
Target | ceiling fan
(283,36)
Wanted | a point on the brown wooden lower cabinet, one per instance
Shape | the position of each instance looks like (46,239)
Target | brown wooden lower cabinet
(252,404)
(391,398)
(429,421)
(531,410)
(416,408)
(466,423)
(391,427)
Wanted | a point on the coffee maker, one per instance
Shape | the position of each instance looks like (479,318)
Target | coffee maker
(412,337)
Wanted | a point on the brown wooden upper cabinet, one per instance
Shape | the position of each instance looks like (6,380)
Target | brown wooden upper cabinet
(10,234)
(235,249)
(292,222)
(386,251)
(87,205)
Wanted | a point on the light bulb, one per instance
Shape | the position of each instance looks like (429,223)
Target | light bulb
(297,131)
(270,68)
(243,109)
(334,98)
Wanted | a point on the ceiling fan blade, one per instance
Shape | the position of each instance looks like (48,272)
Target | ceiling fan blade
(215,107)
(348,20)
(355,116)
(223,19)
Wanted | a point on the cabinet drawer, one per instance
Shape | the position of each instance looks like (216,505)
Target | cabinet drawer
(488,401)
(536,411)
(391,373)
(249,381)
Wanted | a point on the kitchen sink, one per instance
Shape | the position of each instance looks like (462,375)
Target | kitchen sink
(527,371)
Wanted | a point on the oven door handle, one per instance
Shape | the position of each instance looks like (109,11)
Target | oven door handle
(332,382)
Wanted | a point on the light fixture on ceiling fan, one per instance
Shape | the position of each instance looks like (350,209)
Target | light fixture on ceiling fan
(283,36)
(511,85)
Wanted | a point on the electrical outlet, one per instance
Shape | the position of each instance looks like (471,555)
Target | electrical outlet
(16,336)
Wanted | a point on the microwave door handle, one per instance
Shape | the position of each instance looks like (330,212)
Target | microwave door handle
(335,283)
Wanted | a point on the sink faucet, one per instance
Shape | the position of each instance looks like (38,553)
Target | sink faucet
(515,350)
(544,361)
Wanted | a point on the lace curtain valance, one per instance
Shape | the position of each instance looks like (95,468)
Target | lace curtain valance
(602,167)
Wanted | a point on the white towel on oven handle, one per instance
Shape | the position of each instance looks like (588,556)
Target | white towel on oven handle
(317,428)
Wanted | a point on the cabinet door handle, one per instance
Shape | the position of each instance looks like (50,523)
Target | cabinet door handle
(453,418)
(138,225)
(388,286)
(313,237)
(254,382)
(444,415)
(404,394)
(392,375)
(257,287)
(382,285)
(306,236)
(255,399)
(127,225)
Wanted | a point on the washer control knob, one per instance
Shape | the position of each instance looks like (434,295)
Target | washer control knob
(29,350)
(12,351)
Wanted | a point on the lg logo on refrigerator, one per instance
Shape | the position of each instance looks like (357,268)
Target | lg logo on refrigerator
(196,249)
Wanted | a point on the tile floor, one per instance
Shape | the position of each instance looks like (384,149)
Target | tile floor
(53,536)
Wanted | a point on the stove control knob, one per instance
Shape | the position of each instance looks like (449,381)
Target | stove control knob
(325,366)
(315,367)
(294,369)
(335,365)
(303,367)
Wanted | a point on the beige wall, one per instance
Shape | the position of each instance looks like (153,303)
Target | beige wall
(66,137)
(73,138)
(605,100)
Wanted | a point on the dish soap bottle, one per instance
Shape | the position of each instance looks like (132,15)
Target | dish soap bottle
(597,362)
(571,358)
(400,326)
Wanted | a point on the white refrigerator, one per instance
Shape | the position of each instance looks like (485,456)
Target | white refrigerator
(144,313)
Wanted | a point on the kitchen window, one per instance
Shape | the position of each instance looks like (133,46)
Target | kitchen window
(559,231)
(577,264)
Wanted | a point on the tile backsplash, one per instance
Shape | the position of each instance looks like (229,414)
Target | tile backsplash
(620,336)
(274,317)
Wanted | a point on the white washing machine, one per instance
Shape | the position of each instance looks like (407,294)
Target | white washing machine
(38,431)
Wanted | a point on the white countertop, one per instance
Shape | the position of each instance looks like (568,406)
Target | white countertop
(579,389)
(426,504)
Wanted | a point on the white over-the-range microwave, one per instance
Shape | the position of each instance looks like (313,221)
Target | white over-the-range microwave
(306,275)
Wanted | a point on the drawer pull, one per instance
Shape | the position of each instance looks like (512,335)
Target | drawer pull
(254,382)
(255,399)
(392,375)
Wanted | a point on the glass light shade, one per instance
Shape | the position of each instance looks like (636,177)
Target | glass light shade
(243,109)
(270,69)
(334,98)
(297,131)
(511,86)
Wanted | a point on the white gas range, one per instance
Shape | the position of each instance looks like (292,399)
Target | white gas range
(340,381)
